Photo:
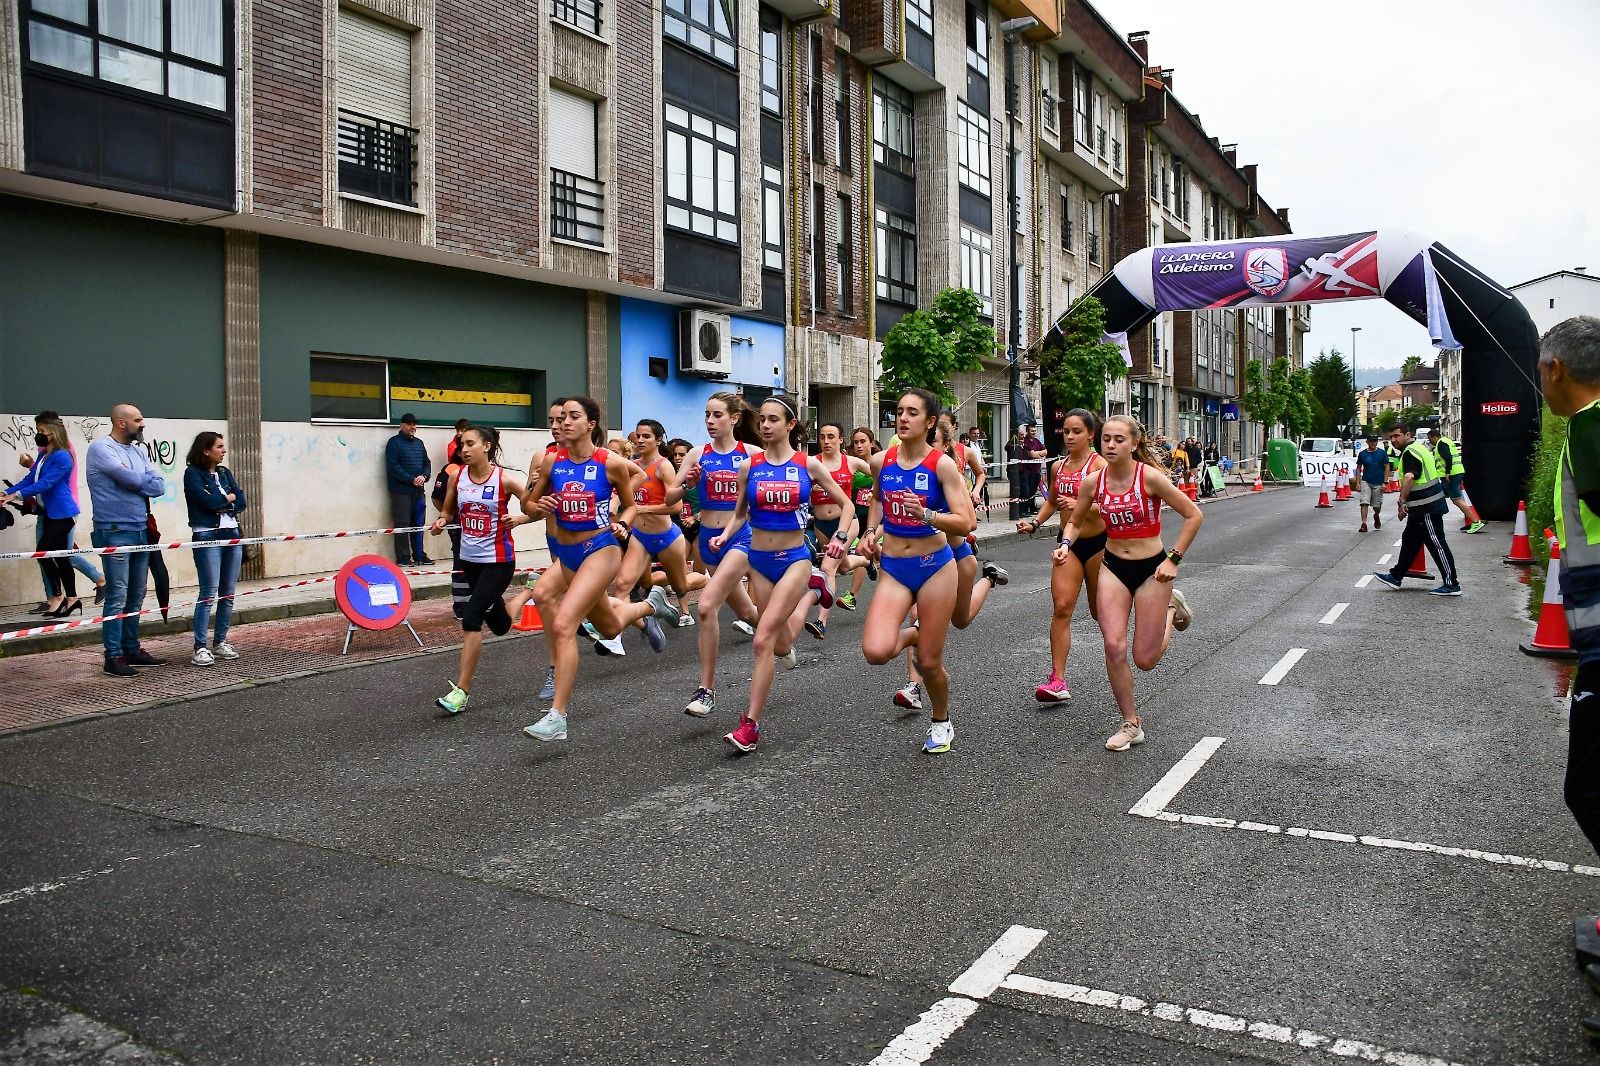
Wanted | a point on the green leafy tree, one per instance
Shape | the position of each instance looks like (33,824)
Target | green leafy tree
(1075,372)
(927,348)
(1334,389)
(1385,421)
(1299,401)
(1412,364)
(1260,399)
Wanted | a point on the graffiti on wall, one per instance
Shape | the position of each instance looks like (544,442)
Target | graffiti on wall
(16,441)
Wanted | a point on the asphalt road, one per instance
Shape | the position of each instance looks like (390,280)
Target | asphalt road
(330,871)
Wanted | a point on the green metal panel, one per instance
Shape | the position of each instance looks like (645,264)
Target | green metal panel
(98,309)
(333,301)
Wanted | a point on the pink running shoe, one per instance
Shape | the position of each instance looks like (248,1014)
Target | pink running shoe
(1053,691)
(746,736)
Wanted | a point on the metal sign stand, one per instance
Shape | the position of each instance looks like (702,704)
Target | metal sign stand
(350,631)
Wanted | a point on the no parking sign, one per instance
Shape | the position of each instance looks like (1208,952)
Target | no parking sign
(372,593)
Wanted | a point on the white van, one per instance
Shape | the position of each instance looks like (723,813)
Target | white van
(1323,446)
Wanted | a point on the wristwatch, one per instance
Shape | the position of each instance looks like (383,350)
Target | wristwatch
(1175,555)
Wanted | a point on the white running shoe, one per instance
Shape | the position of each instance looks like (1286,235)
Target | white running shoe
(685,620)
(203,657)
(704,702)
(940,736)
(741,626)
(909,697)
(1130,734)
(609,647)
(1182,613)
(223,650)
(789,660)
(553,726)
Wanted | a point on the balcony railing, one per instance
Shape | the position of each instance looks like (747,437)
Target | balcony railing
(584,14)
(377,158)
(577,208)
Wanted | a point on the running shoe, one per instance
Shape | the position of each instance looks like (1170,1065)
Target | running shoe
(996,575)
(704,702)
(909,697)
(1130,734)
(548,692)
(940,736)
(613,646)
(203,657)
(741,626)
(654,635)
(664,610)
(819,585)
(817,628)
(685,620)
(1363,528)
(846,601)
(1184,614)
(553,726)
(789,659)
(872,571)
(746,736)
(1476,527)
(1054,690)
(1388,579)
(590,631)
(223,650)
(1445,590)
(455,701)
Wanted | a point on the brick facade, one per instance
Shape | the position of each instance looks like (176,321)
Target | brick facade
(287,132)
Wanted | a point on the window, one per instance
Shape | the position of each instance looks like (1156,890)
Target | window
(1091,228)
(893,139)
(977,267)
(349,390)
(1066,217)
(841,108)
(978,38)
(771,66)
(817,75)
(1115,120)
(705,25)
(972,167)
(897,258)
(1202,339)
(702,175)
(771,217)
(1047,83)
(1150,169)
(920,14)
(583,14)
(844,259)
(577,198)
(1100,123)
(1082,86)
(180,54)
(819,254)
(377,145)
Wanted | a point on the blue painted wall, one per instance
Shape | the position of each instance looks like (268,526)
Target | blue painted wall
(651,330)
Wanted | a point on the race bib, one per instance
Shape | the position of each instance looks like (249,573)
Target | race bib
(577,504)
(781,496)
(903,507)
(722,486)
(864,496)
(475,520)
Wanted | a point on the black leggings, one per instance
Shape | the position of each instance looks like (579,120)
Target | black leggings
(488,582)
(1582,791)
(1133,572)
(58,535)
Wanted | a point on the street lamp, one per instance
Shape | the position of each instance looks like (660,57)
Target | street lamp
(1353,385)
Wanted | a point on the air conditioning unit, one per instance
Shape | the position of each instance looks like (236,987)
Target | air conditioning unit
(704,347)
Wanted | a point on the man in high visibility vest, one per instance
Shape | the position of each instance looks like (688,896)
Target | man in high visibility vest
(1423,508)
(1452,471)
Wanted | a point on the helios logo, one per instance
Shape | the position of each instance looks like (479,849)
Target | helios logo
(1500,407)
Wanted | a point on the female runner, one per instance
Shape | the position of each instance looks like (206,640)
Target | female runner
(655,534)
(1137,571)
(828,518)
(919,505)
(774,493)
(1080,431)
(477,497)
(863,446)
(574,486)
(523,595)
(713,470)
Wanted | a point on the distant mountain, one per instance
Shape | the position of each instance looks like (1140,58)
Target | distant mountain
(1376,375)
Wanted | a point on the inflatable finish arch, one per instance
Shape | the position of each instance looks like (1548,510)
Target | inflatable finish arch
(1460,306)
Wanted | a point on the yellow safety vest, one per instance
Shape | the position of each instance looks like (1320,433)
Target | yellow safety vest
(1426,489)
(1457,465)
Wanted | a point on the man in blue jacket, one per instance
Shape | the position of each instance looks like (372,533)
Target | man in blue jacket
(122,482)
(406,460)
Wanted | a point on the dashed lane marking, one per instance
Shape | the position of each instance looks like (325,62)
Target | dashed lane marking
(1155,801)
(1398,543)
(1285,664)
(1385,558)
(41,888)
(1333,614)
(1365,580)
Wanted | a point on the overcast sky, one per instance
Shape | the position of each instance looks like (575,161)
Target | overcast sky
(1472,122)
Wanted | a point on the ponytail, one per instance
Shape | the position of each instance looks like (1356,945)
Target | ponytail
(743,415)
(1143,450)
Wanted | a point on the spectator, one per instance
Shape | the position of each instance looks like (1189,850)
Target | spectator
(1212,453)
(1192,446)
(49,480)
(83,564)
(1372,463)
(121,485)
(451,449)
(406,459)
(975,445)
(215,500)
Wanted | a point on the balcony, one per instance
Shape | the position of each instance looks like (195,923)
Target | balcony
(1046,11)
(377,159)
(577,208)
(1085,151)
(1174,226)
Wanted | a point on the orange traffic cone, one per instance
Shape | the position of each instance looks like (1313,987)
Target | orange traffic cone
(1343,492)
(1550,637)
(1521,549)
(1419,565)
(1322,499)
(530,622)
(1258,486)
(1190,491)
(1391,485)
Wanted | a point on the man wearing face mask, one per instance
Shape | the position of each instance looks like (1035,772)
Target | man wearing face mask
(122,481)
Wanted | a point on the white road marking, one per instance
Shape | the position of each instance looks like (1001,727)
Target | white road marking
(919,1040)
(1385,559)
(1333,614)
(16,895)
(1272,1032)
(1398,543)
(1155,801)
(1285,664)
(1366,579)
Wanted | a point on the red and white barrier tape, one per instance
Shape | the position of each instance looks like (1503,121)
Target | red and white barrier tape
(131,549)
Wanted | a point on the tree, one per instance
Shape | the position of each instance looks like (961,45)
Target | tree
(1299,401)
(927,348)
(1412,364)
(1260,399)
(1076,371)
(1334,390)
